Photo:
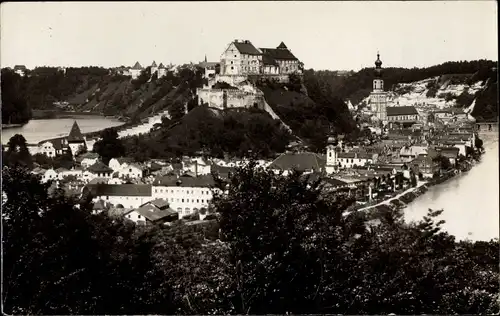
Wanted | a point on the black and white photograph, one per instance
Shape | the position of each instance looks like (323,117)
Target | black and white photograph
(250,158)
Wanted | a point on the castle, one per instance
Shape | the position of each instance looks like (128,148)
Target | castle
(240,65)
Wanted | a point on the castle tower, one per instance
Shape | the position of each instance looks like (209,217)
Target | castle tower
(332,151)
(378,98)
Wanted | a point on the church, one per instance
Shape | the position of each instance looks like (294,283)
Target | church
(379,97)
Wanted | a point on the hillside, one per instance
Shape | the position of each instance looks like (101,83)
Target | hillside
(93,89)
(478,76)
(212,132)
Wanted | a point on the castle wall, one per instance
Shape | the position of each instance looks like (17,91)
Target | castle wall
(234,98)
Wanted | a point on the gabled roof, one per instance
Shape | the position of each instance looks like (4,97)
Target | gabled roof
(137,66)
(75,135)
(300,161)
(159,203)
(161,66)
(401,110)
(153,213)
(119,189)
(154,64)
(246,47)
(99,167)
(19,67)
(279,53)
(268,60)
(282,46)
(122,160)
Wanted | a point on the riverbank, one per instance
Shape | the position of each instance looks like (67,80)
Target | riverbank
(401,200)
(7,126)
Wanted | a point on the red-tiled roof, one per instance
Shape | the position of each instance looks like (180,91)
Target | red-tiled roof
(401,110)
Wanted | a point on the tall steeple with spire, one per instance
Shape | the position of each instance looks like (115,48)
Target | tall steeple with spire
(378,98)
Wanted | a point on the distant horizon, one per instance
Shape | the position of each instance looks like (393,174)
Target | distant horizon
(195,63)
(337,35)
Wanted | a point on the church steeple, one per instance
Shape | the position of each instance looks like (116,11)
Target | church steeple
(378,66)
(205,57)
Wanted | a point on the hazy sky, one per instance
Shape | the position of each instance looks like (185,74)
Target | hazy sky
(324,35)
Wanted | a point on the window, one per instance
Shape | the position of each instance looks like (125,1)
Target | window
(202,201)
(231,64)
(128,216)
(156,190)
(232,68)
(182,200)
(235,56)
(139,216)
(197,201)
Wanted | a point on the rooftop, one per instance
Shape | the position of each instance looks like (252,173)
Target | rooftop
(300,161)
(401,110)
(119,189)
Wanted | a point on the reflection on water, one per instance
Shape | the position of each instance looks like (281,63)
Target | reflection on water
(470,200)
(38,130)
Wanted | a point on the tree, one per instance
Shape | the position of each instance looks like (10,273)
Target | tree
(18,153)
(444,163)
(177,110)
(109,146)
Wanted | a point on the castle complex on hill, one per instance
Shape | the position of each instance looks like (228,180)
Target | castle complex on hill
(241,64)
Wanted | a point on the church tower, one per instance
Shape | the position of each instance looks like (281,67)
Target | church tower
(332,151)
(378,98)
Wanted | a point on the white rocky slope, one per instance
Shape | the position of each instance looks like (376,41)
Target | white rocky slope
(145,127)
(415,94)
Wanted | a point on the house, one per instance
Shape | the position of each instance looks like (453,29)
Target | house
(185,194)
(132,171)
(154,67)
(156,211)
(306,162)
(88,159)
(281,56)
(242,58)
(412,152)
(50,174)
(128,195)
(425,164)
(76,140)
(162,70)
(20,70)
(48,149)
(450,114)
(74,172)
(136,70)
(118,163)
(402,115)
(449,152)
(99,169)
(354,159)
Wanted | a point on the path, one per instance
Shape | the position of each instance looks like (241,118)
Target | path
(392,198)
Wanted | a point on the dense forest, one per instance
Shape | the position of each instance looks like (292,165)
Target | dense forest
(278,245)
(15,107)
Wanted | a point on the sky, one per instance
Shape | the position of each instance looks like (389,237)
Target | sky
(323,35)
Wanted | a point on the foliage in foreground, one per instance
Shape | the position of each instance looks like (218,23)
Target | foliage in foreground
(286,247)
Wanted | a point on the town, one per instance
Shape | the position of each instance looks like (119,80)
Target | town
(407,147)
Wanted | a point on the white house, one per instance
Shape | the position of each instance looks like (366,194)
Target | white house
(128,195)
(47,149)
(99,169)
(50,174)
(133,171)
(118,163)
(156,211)
(185,195)
(162,70)
(136,70)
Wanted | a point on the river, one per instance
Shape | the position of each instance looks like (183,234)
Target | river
(38,130)
(470,201)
